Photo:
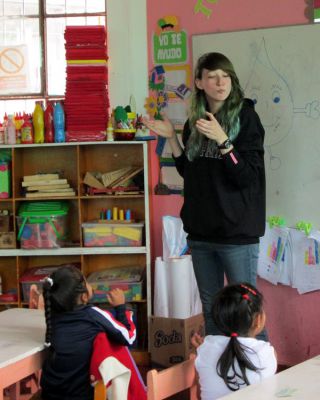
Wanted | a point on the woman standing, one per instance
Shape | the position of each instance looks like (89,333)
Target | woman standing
(222,164)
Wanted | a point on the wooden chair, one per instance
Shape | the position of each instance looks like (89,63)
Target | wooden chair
(31,383)
(173,380)
(100,391)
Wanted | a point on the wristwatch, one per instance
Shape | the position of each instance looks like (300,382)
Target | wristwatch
(225,145)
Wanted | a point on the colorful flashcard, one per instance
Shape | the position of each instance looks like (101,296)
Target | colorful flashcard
(306,262)
(272,253)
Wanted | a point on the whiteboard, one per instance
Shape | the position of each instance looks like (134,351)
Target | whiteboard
(279,68)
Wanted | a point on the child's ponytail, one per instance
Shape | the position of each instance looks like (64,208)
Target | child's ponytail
(46,287)
(233,311)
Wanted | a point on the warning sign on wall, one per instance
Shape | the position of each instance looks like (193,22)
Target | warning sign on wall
(13,69)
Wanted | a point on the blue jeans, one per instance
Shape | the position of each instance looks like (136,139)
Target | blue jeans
(211,261)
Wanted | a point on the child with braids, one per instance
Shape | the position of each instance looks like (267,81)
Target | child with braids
(234,359)
(72,325)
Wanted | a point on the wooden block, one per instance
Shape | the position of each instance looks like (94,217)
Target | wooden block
(109,177)
(45,182)
(65,190)
(51,194)
(92,181)
(40,177)
(50,187)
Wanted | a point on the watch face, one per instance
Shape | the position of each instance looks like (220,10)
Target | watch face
(226,144)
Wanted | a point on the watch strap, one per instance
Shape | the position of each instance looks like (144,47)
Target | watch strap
(225,145)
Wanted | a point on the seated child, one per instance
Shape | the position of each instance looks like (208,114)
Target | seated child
(234,359)
(72,325)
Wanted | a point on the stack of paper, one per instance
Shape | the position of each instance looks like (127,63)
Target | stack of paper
(86,98)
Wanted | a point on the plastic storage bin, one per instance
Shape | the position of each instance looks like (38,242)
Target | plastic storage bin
(42,225)
(129,279)
(102,234)
(36,275)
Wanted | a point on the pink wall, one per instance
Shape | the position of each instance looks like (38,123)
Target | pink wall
(293,321)
(227,15)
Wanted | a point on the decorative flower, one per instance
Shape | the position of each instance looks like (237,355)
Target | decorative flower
(162,99)
(151,106)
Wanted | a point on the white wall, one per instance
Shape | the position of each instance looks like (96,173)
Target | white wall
(127,49)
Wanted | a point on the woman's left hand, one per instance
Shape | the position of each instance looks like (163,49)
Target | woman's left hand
(211,128)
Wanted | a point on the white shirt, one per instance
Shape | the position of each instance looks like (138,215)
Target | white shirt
(260,353)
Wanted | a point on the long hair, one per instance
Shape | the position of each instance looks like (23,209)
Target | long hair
(228,115)
(61,294)
(234,310)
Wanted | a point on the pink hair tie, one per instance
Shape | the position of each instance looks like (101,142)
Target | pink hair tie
(234,334)
(249,289)
(246,296)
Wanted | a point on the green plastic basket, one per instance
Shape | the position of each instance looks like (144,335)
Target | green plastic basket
(42,212)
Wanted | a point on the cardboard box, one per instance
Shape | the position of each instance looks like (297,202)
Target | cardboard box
(170,338)
(5,223)
(7,240)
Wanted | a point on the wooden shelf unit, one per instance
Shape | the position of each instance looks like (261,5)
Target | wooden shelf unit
(72,161)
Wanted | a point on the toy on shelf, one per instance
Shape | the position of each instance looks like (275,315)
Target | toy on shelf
(124,123)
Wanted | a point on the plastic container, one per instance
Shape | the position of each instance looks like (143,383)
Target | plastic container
(103,234)
(38,123)
(58,122)
(5,179)
(11,131)
(35,276)
(48,123)
(124,134)
(129,279)
(42,225)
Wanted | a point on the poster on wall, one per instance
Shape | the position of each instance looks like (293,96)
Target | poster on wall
(169,42)
(169,90)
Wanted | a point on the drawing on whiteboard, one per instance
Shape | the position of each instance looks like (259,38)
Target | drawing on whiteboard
(274,102)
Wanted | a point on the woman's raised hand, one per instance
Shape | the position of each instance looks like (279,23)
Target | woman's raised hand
(162,127)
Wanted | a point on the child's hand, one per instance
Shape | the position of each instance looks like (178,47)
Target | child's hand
(196,340)
(116,297)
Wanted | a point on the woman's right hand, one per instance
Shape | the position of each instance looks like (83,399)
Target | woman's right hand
(162,127)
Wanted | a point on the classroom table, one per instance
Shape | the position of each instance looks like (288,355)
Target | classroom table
(22,348)
(300,382)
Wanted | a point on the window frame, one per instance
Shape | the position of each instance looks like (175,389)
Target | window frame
(43,16)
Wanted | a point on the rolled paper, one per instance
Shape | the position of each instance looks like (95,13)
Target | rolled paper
(179,283)
(161,288)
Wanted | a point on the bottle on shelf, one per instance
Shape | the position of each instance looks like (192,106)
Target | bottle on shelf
(48,123)
(110,131)
(1,134)
(38,123)
(58,122)
(18,122)
(26,130)
(11,130)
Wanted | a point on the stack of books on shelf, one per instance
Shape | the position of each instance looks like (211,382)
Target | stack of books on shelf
(46,185)
(86,97)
